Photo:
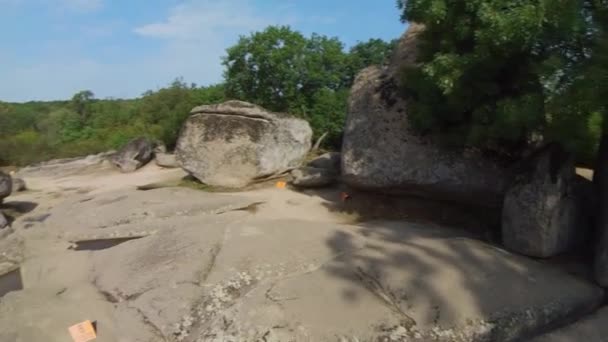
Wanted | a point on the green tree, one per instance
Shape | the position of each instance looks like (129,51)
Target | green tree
(282,70)
(371,52)
(488,68)
(81,103)
(162,113)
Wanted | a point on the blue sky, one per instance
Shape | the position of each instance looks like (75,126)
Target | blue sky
(50,49)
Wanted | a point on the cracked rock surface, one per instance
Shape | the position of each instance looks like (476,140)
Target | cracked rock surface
(266,265)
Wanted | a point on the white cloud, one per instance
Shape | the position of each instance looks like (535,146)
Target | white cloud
(188,42)
(196,20)
(196,34)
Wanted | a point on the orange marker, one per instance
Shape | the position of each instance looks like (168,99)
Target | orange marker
(281,185)
(83,332)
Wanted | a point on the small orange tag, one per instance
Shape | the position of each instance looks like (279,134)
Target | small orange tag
(281,185)
(83,332)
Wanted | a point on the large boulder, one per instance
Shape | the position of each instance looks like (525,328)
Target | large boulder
(135,154)
(380,152)
(234,143)
(543,212)
(167,160)
(6,185)
(19,185)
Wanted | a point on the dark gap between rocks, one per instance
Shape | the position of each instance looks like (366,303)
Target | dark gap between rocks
(101,244)
(11,281)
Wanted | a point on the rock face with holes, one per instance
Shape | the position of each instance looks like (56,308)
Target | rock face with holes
(134,155)
(6,186)
(235,143)
(380,151)
(544,209)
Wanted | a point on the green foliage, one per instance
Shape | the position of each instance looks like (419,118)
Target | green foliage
(489,69)
(278,68)
(284,71)
(37,131)
(327,115)
(372,52)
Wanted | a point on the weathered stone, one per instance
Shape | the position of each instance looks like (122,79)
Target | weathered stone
(3,221)
(591,329)
(66,167)
(234,143)
(160,148)
(543,209)
(378,281)
(6,185)
(133,155)
(330,161)
(166,160)
(312,177)
(381,152)
(208,268)
(19,185)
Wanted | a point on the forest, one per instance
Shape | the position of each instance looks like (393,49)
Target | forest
(277,68)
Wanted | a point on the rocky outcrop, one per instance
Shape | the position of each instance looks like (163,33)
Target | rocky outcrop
(380,152)
(167,160)
(313,177)
(3,221)
(235,143)
(329,161)
(134,155)
(6,185)
(160,148)
(319,172)
(593,328)
(67,166)
(262,278)
(19,185)
(543,212)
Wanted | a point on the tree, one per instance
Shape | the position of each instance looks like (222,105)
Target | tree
(282,70)
(371,52)
(162,113)
(267,68)
(488,68)
(81,103)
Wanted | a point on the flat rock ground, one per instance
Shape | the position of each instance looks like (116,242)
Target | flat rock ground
(267,264)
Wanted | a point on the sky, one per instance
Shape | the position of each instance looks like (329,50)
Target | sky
(51,49)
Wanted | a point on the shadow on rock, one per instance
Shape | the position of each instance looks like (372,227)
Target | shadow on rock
(13,210)
(446,286)
(483,223)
